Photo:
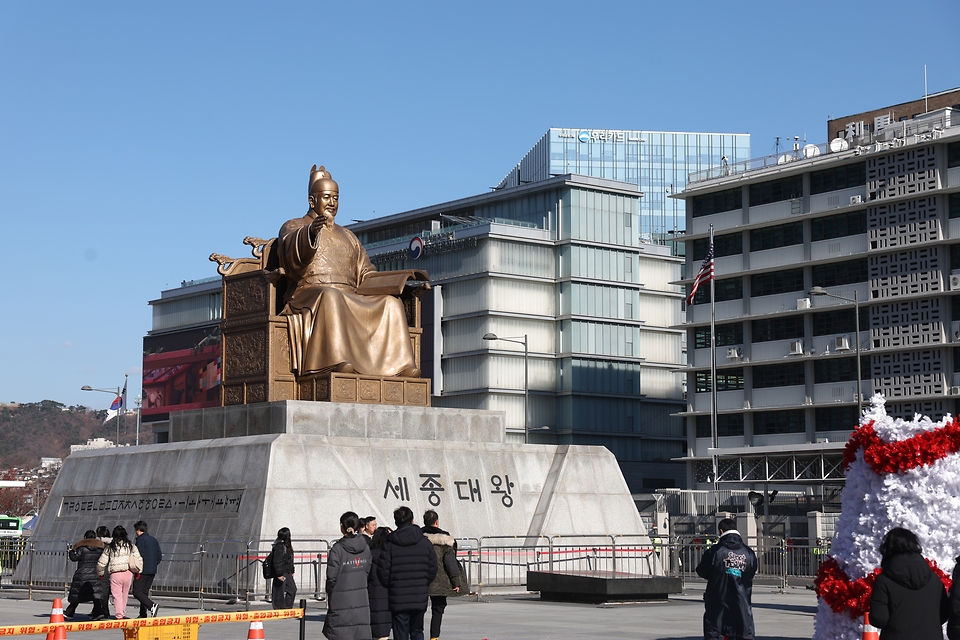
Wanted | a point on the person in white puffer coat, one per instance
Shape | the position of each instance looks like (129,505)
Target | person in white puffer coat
(121,560)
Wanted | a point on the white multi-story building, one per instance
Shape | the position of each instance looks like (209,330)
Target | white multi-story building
(872,220)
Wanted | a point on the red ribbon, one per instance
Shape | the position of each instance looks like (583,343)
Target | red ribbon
(896,457)
(853,596)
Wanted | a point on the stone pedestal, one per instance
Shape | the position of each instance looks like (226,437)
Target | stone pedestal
(240,473)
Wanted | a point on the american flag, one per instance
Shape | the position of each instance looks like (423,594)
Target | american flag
(704,275)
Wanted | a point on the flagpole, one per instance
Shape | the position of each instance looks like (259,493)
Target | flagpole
(714,437)
(123,407)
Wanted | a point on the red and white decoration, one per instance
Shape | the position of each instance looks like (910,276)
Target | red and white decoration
(899,474)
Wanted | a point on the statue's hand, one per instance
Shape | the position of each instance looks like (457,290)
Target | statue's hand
(317,225)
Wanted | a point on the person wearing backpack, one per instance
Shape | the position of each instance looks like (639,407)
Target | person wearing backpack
(280,562)
(122,561)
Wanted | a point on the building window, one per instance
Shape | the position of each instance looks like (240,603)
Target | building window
(730,244)
(662,450)
(845,177)
(770,422)
(778,375)
(783,235)
(835,370)
(768,284)
(953,154)
(838,273)
(777,329)
(727,335)
(727,380)
(840,225)
(728,424)
(843,321)
(776,190)
(718,202)
(727,289)
(837,418)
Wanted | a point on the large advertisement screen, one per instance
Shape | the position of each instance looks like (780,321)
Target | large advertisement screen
(181,370)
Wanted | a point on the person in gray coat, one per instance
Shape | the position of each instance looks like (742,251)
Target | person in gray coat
(348,566)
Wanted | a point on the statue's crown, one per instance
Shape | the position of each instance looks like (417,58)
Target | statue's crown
(317,175)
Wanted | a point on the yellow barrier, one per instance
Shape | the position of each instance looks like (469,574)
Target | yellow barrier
(137,623)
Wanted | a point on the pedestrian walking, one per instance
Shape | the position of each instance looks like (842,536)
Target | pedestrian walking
(407,566)
(152,555)
(348,567)
(908,601)
(103,534)
(86,585)
(448,581)
(380,619)
(121,560)
(284,586)
(728,567)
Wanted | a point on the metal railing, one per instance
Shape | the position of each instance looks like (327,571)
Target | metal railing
(230,569)
(777,558)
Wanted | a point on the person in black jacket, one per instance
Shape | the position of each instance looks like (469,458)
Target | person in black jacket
(284,587)
(86,585)
(728,567)
(380,618)
(407,566)
(908,599)
(953,621)
(150,552)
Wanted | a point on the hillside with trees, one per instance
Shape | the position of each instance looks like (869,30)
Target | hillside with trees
(46,429)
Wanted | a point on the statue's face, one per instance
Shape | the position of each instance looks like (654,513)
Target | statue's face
(325,202)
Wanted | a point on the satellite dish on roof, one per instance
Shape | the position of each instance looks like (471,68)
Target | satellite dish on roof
(838,144)
(811,151)
(784,159)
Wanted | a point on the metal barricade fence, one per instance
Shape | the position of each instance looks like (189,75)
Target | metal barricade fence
(503,560)
(781,558)
(231,569)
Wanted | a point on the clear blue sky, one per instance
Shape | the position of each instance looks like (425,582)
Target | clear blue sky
(136,138)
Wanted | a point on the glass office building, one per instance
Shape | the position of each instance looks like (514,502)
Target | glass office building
(556,262)
(657,161)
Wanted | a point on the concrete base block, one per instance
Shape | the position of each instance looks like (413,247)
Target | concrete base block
(601,586)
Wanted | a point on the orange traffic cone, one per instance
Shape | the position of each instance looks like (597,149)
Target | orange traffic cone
(870,632)
(256,631)
(56,615)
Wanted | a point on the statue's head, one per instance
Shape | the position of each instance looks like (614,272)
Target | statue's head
(323,193)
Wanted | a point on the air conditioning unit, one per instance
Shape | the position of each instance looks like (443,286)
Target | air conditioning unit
(955,282)
(733,353)
(796,348)
(841,343)
(803,303)
(955,391)
(856,200)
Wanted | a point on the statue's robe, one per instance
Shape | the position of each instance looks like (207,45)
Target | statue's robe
(328,321)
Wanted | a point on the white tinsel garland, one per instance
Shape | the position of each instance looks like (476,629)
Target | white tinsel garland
(925,500)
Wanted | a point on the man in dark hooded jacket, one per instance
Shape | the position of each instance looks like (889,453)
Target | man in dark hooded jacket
(728,567)
(407,566)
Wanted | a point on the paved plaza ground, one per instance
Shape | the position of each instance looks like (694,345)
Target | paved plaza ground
(784,616)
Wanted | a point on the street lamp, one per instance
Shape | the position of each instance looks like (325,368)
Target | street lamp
(119,409)
(526,377)
(820,291)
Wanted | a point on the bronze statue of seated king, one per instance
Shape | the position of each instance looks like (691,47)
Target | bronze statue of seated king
(348,328)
